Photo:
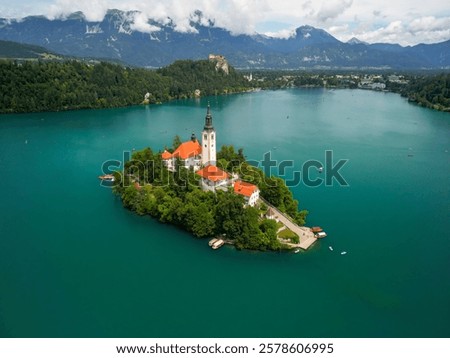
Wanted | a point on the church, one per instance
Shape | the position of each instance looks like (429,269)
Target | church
(201,158)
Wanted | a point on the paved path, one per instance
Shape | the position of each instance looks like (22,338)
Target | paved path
(305,234)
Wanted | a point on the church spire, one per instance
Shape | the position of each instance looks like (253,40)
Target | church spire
(208,119)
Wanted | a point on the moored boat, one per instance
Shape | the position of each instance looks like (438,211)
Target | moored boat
(212,242)
(107,177)
(217,244)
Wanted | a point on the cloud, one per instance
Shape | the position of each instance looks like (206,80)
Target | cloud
(403,21)
(282,34)
(332,9)
(94,10)
(421,30)
(141,24)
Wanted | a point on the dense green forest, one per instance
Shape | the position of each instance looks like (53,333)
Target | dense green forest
(148,188)
(35,86)
(54,86)
(428,91)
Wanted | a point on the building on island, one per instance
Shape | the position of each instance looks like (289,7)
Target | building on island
(201,158)
(213,178)
(208,141)
(188,152)
(250,192)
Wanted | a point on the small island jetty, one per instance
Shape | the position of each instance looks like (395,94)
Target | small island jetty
(305,234)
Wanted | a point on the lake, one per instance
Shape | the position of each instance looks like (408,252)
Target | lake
(75,263)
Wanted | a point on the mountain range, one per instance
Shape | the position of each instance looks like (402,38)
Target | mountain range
(118,37)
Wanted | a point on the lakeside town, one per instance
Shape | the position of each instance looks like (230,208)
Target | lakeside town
(331,79)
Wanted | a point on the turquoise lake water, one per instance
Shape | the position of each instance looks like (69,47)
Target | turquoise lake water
(75,263)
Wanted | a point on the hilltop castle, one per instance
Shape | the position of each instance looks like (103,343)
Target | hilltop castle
(201,158)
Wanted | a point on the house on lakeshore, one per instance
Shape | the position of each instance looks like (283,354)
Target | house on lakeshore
(249,191)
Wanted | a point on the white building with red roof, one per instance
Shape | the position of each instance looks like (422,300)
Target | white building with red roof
(249,191)
(213,178)
(188,152)
(192,154)
(202,159)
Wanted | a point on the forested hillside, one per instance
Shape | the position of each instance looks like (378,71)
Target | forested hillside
(55,86)
(429,91)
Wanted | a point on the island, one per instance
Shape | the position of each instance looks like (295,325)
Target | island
(213,194)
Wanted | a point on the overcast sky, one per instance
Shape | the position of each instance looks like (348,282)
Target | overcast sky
(407,22)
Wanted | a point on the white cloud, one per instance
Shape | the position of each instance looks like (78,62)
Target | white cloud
(282,34)
(332,9)
(140,23)
(94,10)
(403,21)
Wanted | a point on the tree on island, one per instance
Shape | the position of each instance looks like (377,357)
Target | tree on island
(148,188)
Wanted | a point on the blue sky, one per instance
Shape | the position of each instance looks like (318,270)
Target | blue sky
(407,22)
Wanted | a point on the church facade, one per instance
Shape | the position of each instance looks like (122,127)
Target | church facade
(201,158)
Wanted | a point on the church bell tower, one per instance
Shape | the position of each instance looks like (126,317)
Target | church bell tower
(208,141)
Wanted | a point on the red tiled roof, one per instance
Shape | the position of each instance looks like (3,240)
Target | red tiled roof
(188,149)
(212,173)
(244,188)
(166,155)
(184,151)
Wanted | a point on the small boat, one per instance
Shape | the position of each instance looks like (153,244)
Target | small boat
(107,177)
(217,244)
(321,235)
(331,248)
(212,242)
(297,251)
(343,252)
(316,229)
(320,169)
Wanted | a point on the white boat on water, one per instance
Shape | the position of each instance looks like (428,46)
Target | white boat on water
(331,248)
(217,244)
(107,177)
(297,251)
(212,242)
(343,252)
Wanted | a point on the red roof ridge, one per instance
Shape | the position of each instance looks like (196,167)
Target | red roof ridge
(244,188)
(184,151)
(212,173)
